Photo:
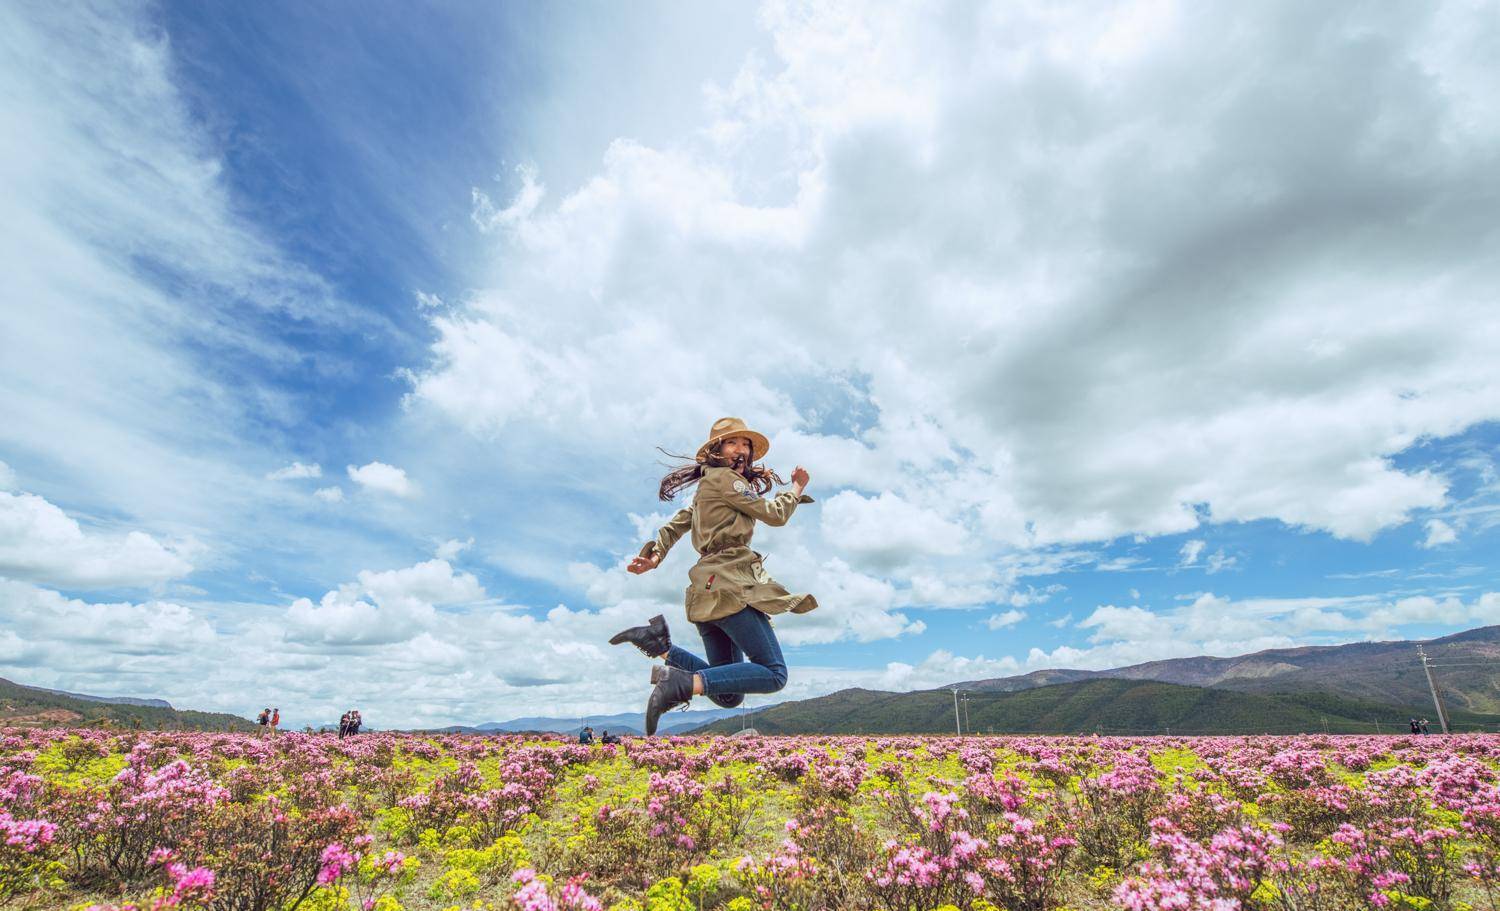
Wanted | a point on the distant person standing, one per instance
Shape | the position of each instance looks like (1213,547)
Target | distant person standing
(275,720)
(1424,726)
(355,720)
(1416,726)
(343,725)
(264,720)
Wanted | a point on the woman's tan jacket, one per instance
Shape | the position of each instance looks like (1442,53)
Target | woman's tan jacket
(729,575)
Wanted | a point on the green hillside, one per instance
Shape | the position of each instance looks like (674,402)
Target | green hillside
(24,706)
(1466,668)
(1106,706)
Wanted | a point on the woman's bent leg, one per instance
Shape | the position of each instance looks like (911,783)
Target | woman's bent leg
(720,650)
(765,672)
(678,656)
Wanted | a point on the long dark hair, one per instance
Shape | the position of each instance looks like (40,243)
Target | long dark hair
(759,477)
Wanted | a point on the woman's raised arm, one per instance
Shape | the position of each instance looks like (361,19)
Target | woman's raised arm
(655,550)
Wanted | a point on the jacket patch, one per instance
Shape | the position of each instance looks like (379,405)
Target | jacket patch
(743,489)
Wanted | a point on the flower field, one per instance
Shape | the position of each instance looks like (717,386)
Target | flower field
(386,821)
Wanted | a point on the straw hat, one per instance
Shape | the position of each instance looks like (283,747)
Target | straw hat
(734,427)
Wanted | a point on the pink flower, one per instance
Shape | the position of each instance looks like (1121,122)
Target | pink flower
(336,860)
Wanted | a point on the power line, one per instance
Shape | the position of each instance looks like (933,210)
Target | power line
(1431,685)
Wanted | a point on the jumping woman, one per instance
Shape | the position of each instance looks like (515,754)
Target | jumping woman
(730,596)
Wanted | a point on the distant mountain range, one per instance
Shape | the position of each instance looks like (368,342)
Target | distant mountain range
(111,700)
(1362,686)
(1466,667)
(30,706)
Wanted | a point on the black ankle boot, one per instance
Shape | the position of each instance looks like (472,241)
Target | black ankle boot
(674,686)
(652,639)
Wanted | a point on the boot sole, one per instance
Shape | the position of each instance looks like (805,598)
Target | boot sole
(621,637)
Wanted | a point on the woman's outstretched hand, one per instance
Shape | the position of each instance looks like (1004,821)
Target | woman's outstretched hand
(640,564)
(800,477)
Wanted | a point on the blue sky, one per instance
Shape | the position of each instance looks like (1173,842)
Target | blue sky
(339,339)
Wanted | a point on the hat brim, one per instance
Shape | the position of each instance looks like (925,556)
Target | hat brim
(758,443)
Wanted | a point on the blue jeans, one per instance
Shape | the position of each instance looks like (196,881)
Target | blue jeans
(727,678)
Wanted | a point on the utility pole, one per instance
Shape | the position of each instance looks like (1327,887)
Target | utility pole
(966,714)
(956,726)
(1431,685)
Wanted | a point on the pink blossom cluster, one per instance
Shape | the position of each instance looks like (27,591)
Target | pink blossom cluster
(1192,876)
(535,895)
(1190,823)
(26,835)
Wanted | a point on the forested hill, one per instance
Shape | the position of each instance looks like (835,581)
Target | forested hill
(1105,706)
(1465,666)
(26,706)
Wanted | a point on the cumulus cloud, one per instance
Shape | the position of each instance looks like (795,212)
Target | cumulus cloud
(1008,618)
(1209,624)
(451,548)
(41,543)
(887,529)
(1190,552)
(381,608)
(1218,560)
(296,470)
(1034,595)
(1070,314)
(330,494)
(53,624)
(1438,534)
(384,478)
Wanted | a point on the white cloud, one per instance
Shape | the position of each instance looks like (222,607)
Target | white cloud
(54,625)
(1439,533)
(141,354)
(1059,375)
(853,606)
(1001,621)
(887,530)
(451,548)
(432,582)
(382,608)
(1034,595)
(382,477)
(956,587)
(330,494)
(296,470)
(41,543)
(1218,560)
(1190,552)
(1210,624)
(7,477)
(938,669)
